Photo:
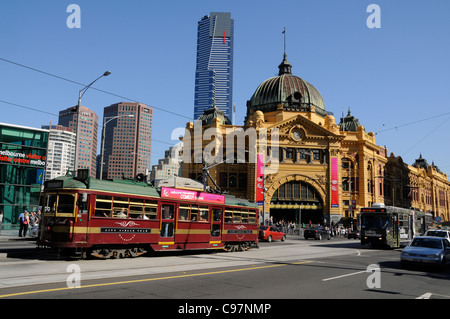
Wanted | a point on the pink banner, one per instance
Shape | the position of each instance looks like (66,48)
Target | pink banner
(259,178)
(182,194)
(334,183)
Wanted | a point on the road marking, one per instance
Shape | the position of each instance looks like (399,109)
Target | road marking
(429,294)
(353,273)
(425,296)
(153,279)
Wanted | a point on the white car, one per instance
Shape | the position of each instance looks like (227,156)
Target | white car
(438,233)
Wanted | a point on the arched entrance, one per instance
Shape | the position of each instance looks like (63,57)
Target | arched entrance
(297,200)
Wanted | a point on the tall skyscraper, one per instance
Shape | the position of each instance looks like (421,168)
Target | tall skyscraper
(87,135)
(128,140)
(214,68)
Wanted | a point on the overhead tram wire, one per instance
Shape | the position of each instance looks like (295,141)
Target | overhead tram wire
(92,88)
(426,135)
(411,123)
(27,107)
(56,115)
(78,83)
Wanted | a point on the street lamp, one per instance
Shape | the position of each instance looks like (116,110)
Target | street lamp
(106,120)
(77,111)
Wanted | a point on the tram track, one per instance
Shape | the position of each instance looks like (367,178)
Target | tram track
(56,271)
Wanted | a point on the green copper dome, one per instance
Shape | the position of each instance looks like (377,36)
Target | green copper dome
(349,123)
(292,92)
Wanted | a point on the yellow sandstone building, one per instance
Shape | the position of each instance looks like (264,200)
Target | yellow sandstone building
(315,169)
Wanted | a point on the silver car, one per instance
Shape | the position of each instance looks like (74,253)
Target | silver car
(427,250)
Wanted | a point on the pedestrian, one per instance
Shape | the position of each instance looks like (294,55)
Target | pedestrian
(1,220)
(26,223)
(22,222)
(38,216)
(33,219)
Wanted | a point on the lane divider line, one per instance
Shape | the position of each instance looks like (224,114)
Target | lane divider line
(150,279)
(346,275)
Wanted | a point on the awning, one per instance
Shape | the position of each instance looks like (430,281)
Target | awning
(293,206)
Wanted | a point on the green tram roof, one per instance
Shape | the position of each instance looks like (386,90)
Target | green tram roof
(134,188)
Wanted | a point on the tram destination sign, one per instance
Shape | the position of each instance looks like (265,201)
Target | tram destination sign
(182,194)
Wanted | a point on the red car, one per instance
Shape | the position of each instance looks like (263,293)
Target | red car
(270,233)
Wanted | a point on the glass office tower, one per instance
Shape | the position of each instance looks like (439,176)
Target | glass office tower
(214,68)
(23,156)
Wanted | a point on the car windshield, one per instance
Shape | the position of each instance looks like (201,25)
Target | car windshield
(263,227)
(436,233)
(427,243)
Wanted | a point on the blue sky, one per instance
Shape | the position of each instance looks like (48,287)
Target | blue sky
(388,77)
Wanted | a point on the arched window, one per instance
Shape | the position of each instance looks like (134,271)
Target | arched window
(296,191)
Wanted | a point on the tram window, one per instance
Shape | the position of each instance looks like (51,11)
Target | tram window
(82,203)
(204,214)
(183,213)
(136,201)
(244,219)
(194,213)
(136,211)
(237,216)
(228,216)
(120,207)
(66,204)
(216,214)
(103,206)
(167,211)
(252,218)
(120,213)
(121,199)
(50,204)
(150,209)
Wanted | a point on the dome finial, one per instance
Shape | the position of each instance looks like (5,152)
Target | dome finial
(285,67)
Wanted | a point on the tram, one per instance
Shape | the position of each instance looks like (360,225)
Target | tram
(86,217)
(392,227)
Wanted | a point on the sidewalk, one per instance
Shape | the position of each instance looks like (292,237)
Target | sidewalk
(8,234)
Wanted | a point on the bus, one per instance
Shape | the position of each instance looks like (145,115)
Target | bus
(85,217)
(392,227)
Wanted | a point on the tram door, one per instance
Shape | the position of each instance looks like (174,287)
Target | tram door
(216,225)
(395,230)
(167,220)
